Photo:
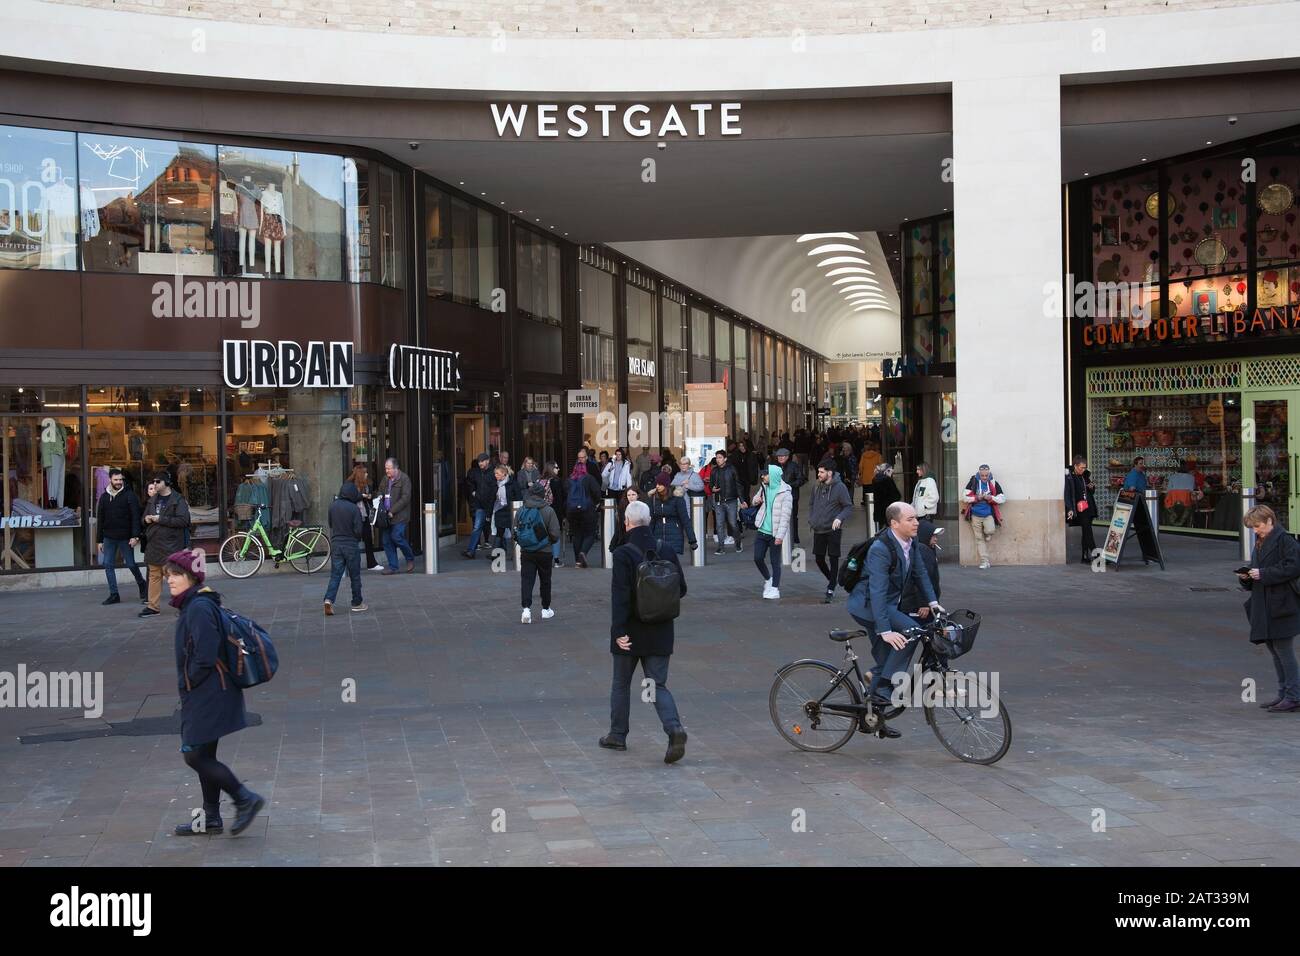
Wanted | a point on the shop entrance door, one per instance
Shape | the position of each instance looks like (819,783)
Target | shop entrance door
(1275,462)
(471,441)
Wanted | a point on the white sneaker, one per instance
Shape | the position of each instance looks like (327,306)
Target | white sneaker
(771,593)
(526,617)
(984,564)
(377,567)
(547,614)
(767,585)
(730,542)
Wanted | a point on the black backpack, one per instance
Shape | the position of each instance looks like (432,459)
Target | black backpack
(855,567)
(658,589)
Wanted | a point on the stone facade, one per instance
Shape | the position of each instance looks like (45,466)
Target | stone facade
(658,20)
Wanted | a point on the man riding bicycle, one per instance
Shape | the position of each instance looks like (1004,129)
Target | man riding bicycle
(891,565)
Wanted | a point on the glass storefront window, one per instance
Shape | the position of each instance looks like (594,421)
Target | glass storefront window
(1126,229)
(701,352)
(947,351)
(39,199)
(1207,230)
(642,350)
(41,457)
(920,246)
(376,235)
(1276,237)
(599,352)
(461,250)
(672,371)
(1194,464)
(152,203)
(537,266)
(282,213)
(947,267)
(143,399)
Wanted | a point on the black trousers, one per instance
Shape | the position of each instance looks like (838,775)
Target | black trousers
(827,543)
(533,565)
(214,776)
(1089,542)
(794,515)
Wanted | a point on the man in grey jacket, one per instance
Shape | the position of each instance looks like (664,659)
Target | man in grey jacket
(831,507)
(396,501)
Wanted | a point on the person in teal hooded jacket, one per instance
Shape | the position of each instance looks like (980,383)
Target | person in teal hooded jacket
(775,502)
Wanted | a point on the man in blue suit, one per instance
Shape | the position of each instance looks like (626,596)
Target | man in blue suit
(891,566)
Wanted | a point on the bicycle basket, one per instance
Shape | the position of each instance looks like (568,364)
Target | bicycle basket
(958,637)
(243,510)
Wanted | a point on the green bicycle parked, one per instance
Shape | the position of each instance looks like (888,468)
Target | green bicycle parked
(307,549)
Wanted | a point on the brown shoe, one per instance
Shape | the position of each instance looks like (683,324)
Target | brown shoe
(329,609)
(410,567)
(1285,707)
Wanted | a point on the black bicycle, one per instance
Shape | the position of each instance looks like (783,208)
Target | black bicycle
(817,708)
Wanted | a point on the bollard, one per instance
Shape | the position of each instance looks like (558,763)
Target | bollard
(1248,501)
(1152,498)
(697,524)
(871,514)
(431,537)
(608,516)
(514,523)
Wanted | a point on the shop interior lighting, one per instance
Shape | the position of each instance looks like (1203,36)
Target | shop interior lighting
(854,280)
(837,260)
(844,270)
(809,236)
(835,247)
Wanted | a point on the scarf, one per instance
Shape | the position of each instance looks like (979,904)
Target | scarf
(179,599)
(579,471)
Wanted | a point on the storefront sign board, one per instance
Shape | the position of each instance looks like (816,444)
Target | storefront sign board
(423,369)
(1128,520)
(583,401)
(287,364)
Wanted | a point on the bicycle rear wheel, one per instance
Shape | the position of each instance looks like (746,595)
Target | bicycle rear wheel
(310,550)
(241,555)
(970,722)
(794,705)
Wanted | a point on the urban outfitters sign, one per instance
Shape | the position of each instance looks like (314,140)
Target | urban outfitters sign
(436,370)
(638,119)
(262,364)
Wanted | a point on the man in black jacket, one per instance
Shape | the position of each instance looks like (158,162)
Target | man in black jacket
(481,491)
(724,486)
(167,519)
(117,524)
(632,640)
(793,476)
(346,531)
(831,507)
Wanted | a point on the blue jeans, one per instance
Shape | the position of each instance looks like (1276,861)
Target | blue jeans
(111,548)
(480,521)
(394,538)
(762,546)
(346,557)
(620,694)
(1284,662)
(726,522)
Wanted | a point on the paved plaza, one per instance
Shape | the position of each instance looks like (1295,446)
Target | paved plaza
(1125,690)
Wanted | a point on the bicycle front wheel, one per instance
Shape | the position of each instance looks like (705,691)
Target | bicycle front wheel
(310,550)
(241,555)
(797,705)
(970,722)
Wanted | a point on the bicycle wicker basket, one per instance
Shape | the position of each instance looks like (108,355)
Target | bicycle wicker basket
(959,636)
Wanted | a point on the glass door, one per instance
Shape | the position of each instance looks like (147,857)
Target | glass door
(471,441)
(1271,459)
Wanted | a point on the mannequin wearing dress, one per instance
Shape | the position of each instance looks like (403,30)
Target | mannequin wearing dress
(248,223)
(271,226)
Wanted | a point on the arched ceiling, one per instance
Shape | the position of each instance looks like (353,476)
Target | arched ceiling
(832,292)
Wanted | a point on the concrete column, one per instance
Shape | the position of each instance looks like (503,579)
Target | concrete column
(1008,247)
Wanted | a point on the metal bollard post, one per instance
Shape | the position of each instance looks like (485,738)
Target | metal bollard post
(1249,496)
(431,537)
(514,523)
(1152,498)
(609,515)
(697,525)
(871,514)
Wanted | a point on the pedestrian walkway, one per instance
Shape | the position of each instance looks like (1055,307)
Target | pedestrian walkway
(1125,691)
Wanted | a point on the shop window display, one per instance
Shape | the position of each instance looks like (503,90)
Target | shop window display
(642,354)
(282,213)
(147,205)
(1277,188)
(1207,227)
(39,199)
(673,369)
(461,253)
(537,264)
(599,348)
(374,223)
(1181,437)
(701,352)
(43,517)
(1126,229)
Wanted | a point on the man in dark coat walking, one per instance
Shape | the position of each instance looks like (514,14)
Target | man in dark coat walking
(632,640)
(117,524)
(167,518)
(346,531)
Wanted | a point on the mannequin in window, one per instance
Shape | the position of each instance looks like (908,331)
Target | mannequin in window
(248,223)
(271,227)
(228,204)
(59,215)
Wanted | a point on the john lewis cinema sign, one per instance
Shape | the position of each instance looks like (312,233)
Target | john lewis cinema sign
(581,120)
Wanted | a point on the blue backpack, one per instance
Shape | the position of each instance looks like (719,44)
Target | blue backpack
(248,655)
(530,530)
(578,499)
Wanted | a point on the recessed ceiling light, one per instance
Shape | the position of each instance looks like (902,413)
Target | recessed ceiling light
(1144,159)
(482,194)
(1209,142)
(462,182)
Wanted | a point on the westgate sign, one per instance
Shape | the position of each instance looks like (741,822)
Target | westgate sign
(635,118)
(436,370)
(285,364)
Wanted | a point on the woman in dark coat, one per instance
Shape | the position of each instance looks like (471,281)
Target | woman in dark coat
(621,532)
(746,463)
(1273,610)
(212,705)
(1078,492)
(558,491)
(886,493)
(670,522)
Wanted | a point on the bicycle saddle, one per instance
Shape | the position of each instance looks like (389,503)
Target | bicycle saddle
(846,633)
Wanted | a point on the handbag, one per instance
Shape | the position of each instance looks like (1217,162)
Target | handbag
(748,517)
(378,518)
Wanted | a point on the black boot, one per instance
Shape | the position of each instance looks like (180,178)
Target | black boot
(112,599)
(247,806)
(211,823)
